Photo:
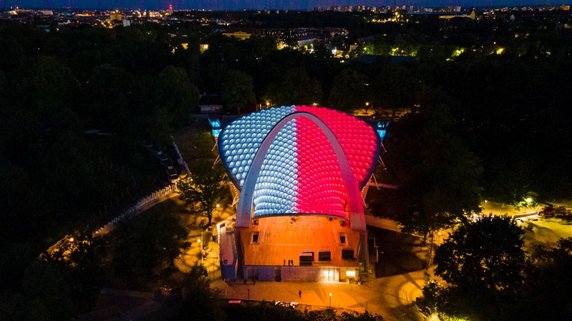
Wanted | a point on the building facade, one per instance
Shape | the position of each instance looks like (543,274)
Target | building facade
(300,217)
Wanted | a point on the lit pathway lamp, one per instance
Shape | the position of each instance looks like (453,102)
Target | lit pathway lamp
(330,299)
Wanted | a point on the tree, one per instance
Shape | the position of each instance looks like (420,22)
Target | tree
(203,189)
(53,84)
(548,284)
(162,239)
(354,316)
(46,288)
(237,90)
(124,97)
(158,124)
(14,259)
(486,255)
(350,90)
(483,264)
(395,87)
(177,93)
(147,244)
(438,175)
(295,88)
(199,300)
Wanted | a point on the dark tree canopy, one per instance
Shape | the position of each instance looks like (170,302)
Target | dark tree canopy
(237,90)
(438,175)
(203,189)
(483,263)
(296,87)
(484,256)
(350,90)
(548,284)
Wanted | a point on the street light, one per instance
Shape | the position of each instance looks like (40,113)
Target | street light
(330,299)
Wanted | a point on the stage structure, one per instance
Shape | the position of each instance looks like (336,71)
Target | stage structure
(300,217)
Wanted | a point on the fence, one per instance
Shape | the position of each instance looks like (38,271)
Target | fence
(141,206)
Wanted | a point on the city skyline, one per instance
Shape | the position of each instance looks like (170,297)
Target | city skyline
(259,4)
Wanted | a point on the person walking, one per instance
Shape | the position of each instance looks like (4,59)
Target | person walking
(299,294)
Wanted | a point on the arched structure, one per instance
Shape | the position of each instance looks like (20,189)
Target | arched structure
(307,164)
(355,203)
(300,171)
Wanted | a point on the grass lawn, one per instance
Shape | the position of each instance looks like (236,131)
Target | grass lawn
(196,142)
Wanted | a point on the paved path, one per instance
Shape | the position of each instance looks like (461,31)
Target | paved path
(383,296)
(383,223)
(386,296)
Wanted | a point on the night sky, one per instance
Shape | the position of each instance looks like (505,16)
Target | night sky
(258,4)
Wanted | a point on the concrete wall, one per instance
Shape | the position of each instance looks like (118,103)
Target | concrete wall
(299,273)
(261,273)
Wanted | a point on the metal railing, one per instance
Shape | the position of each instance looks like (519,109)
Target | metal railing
(141,206)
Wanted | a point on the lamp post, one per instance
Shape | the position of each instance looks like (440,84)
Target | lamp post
(330,299)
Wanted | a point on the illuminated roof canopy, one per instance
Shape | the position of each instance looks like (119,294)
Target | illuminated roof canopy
(302,171)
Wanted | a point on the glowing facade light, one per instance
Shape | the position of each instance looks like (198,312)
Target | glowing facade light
(300,173)
(381,128)
(215,127)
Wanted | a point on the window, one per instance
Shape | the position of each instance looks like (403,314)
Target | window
(306,258)
(324,256)
(255,238)
(343,239)
(348,254)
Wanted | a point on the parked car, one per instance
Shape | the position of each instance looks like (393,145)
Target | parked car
(291,305)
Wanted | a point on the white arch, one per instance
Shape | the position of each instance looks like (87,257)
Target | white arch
(355,203)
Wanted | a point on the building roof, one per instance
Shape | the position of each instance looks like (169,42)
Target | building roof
(300,173)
